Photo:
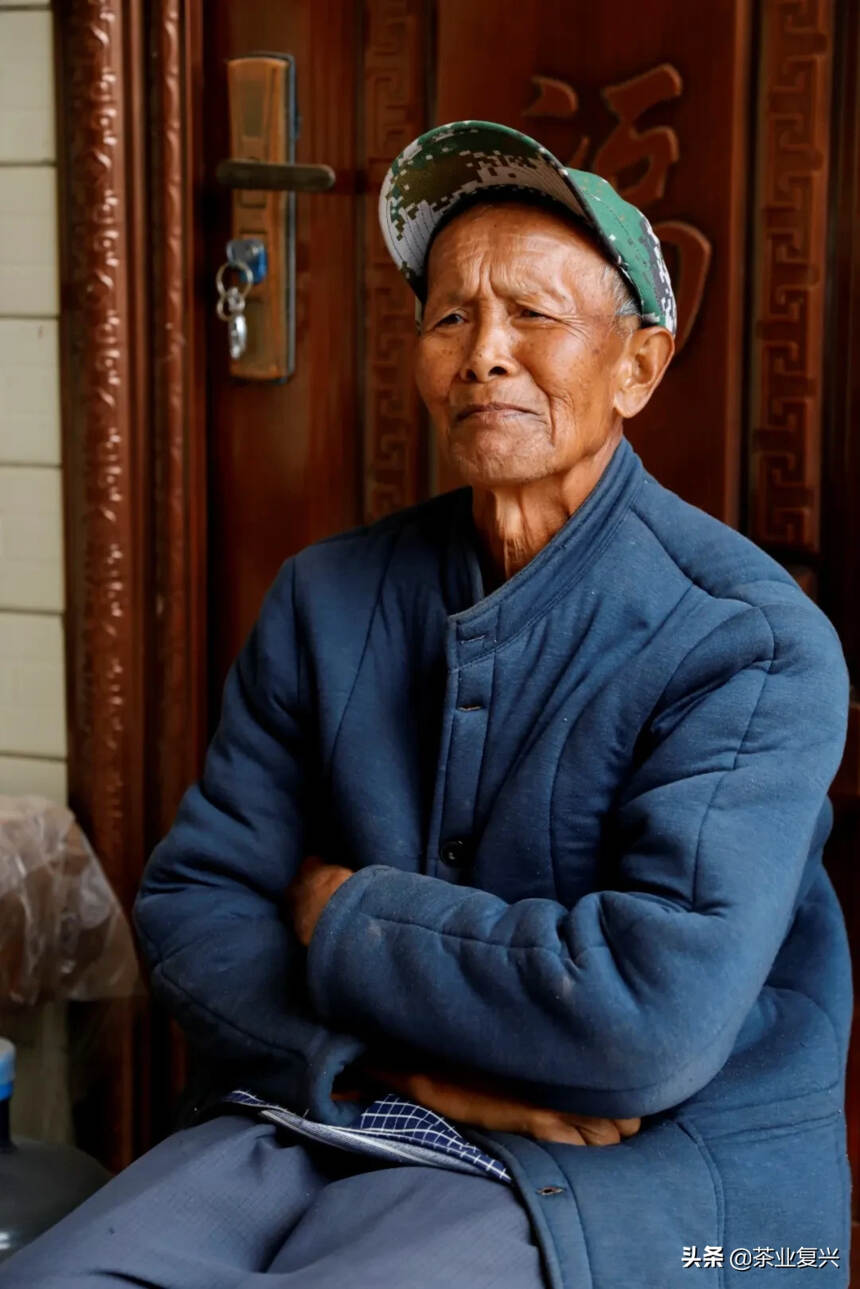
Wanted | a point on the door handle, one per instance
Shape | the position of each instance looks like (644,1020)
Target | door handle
(267,176)
(264,179)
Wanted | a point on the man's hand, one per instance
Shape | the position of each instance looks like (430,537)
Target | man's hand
(479,1103)
(469,1097)
(310,891)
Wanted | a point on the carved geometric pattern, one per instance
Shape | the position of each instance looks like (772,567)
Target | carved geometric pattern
(394,114)
(791,233)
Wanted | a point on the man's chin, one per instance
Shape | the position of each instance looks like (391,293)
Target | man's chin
(493,456)
(496,470)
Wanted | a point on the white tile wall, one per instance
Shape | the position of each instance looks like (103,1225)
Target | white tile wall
(29,392)
(32,685)
(22,775)
(26,89)
(32,699)
(28,241)
(31,546)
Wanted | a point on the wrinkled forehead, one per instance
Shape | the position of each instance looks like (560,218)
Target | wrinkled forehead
(488,218)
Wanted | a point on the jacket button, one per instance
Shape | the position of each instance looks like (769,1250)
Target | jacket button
(457,852)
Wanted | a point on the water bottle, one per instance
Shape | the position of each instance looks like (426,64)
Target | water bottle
(39,1182)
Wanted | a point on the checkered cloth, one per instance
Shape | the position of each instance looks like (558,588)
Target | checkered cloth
(389,1127)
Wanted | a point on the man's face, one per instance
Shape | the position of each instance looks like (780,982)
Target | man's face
(521,354)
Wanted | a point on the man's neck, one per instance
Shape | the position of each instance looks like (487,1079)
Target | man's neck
(514,523)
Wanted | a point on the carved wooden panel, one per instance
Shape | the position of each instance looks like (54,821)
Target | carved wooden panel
(790,248)
(394,114)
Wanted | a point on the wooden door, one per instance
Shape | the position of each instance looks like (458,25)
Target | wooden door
(284,459)
(736,130)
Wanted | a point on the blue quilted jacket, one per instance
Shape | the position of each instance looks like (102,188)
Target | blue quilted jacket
(586,814)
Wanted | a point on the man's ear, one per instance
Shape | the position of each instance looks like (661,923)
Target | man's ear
(647,354)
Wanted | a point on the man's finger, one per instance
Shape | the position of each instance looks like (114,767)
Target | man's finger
(598,1132)
(628,1127)
(555,1130)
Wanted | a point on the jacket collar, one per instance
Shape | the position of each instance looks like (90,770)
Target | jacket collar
(484,621)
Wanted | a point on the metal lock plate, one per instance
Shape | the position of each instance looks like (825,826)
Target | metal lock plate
(263,129)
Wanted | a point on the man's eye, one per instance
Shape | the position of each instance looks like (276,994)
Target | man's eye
(449,318)
(532,313)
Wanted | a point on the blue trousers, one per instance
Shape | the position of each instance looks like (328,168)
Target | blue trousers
(236,1202)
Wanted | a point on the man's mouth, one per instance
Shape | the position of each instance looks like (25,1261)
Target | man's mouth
(493,410)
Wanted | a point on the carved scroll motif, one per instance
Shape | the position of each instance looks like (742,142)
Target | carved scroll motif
(791,222)
(394,114)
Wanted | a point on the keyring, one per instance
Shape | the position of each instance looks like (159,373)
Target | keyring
(243,288)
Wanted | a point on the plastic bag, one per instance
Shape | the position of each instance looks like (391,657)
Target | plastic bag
(63,934)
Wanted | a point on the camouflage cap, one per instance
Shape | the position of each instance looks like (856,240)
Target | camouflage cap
(452,162)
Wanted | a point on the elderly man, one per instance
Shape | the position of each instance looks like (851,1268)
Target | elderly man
(500,905)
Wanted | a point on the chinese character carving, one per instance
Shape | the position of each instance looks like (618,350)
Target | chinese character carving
(637,163)
(558,100)
(627,147)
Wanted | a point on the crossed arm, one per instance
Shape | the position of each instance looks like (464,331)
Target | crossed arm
(620,1006)
(465,1097)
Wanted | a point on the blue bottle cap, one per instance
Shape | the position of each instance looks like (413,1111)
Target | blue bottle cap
(7,1068)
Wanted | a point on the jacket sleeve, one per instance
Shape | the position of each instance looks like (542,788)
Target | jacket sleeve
(630,1000)
(208,913)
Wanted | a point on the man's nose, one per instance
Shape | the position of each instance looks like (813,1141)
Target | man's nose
(488,353)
